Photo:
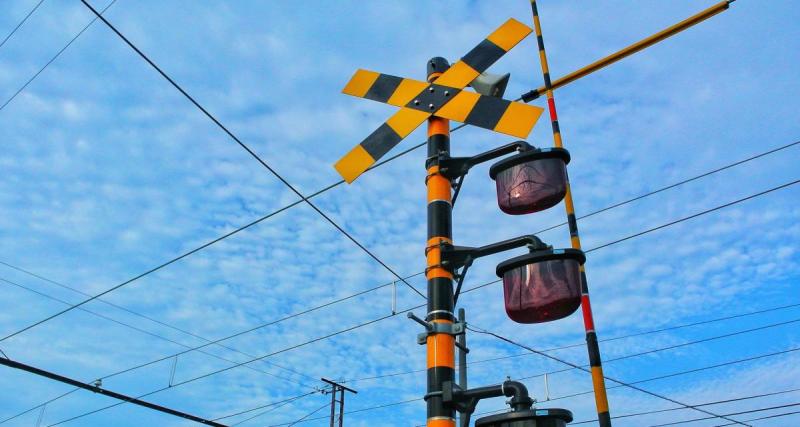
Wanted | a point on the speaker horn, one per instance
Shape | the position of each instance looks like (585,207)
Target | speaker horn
(489,84)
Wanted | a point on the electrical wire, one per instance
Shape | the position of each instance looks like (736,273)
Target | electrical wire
(486,284)
(564,347)
(271,404)
(370,322)
(785,414)
(403,402)
(650,230)
(261,414)
(247,148)
(622,383)
(705,368)
(20,23)
(249,151)
(672,347)
(308,415)
(674,185)
(771,408)
(718,402)
(47,64)
(135,328)
(137,314)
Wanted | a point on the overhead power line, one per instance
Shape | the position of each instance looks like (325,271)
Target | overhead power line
(161,337)
(707,211)
(47,64)
(219,371)
(404,402)
(622,383)
(486,284)
(654,331)
(717,402)
(672,347)
(246,147)
(271,405)
(138,314)
(751,411)
(249,151)
(691,371)
(308,415)
(105,392)
(785,414)
(21,23)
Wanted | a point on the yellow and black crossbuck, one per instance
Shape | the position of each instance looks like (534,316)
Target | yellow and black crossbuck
(445,98)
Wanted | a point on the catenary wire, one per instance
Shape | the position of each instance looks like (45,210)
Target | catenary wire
(21,23)
(271,404)
(564,347)
(308,415)
(241,144)
(161,337)
(622,383)
(691,371)
(686,218)
(370,322)
(137,314)
(407,277)
(769,408)
(247,148)
(398,276)
(600,247)
(403,402)
(262,413)
(717,402)
(785,414)
(674,346)
(47,64)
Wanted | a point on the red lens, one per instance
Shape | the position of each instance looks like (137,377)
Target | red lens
(531,186)
(542,291)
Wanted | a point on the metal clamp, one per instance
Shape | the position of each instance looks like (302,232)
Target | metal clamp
(455,328)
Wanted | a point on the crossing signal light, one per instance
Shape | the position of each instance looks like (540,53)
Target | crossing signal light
(543,285)
(531,181)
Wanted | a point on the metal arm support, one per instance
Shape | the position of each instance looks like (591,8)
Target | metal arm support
(465,401)
(456,167)
(455,257)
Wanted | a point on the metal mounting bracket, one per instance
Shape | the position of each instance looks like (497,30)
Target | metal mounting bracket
(456,328)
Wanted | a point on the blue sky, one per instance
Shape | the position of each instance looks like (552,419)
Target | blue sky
(108,171)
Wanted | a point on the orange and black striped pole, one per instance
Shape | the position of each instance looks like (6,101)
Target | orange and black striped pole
(598,381)
(440,346)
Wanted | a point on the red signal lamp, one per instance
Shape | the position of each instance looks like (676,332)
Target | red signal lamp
(542,286)
(531,181)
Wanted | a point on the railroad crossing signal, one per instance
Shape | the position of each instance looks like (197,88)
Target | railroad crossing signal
(446,98)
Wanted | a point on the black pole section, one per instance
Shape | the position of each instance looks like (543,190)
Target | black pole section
(104,392)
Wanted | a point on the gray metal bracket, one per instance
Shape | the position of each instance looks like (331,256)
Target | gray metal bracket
(456,328)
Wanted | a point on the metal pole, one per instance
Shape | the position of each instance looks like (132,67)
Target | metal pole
(394,297)
(598,381)
(462,362)
(341,407)
(440,346)
(630,50)
(333,404)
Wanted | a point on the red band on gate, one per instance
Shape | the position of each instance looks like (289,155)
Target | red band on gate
(588,322)
(551,104)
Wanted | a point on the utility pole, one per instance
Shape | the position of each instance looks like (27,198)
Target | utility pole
(440,346)
(339,389)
